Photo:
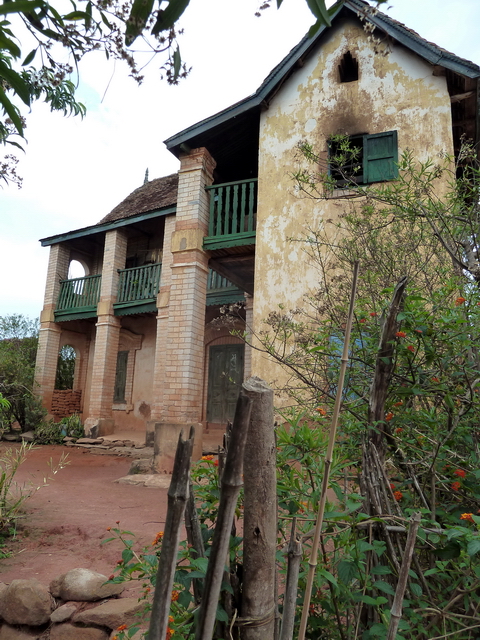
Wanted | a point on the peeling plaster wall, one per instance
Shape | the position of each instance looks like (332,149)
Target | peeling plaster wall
(394,92)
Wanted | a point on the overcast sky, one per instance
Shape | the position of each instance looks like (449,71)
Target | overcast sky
(76,171)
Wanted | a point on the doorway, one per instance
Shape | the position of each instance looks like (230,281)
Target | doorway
(225,377)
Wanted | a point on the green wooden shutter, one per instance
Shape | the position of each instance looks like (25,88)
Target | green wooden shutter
(380,157)
(120,377)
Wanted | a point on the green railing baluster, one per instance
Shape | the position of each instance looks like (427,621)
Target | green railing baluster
(219,213)
(211,220)
(251,205)
(243,207)
(227,231)
(235,209)
(79,293)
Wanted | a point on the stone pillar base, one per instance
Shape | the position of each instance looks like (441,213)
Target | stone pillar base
(166,441)
(96,427)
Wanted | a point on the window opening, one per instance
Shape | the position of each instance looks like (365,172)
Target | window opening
(363,159)
(76,270)
(348,68)
(65,368)
(120,377)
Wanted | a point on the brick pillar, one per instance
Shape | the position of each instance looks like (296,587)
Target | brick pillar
(49,335)
(107,337)
(184,349)
(247,363)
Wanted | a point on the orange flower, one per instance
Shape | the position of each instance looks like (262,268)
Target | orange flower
(398,495)
(169,633)
(157,539)
(362,320)
(460,473)
(398,404)
(216,463)
(418,330)
(398,430)
(122,627)
(456,486)
(175,595)
(109,528)
(392,486)
(321,410)
(389,416)
(170,618)
(111,577)
(207,457)
(373,314)
(117,521)
(435,379)
(467,516)
(401,334)
(460,300)
(411,348)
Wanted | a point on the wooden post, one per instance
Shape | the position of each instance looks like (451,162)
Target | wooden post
(290,598)
(260,523)
(177,498)
(231,484)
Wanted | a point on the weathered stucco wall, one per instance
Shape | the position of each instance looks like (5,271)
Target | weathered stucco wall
(394,92)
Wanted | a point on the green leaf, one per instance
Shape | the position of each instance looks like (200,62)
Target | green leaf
(168,17)
(127,555)
(221,614)
(377,630)
(381,570)
(381,585)
(16,81)
(473,547)
(347,570)
(10,46)
(328,576)
(416,589)
(11,111)
(137,20)
(319,10)
(76,15)
(29,58)
(21,6)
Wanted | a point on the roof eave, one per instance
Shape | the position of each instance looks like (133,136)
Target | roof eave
(107,226)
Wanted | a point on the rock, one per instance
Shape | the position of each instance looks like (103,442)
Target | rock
(65,612)
(158,481)
(112,614)
(141,465)
(28,436)
(69,439)
(11,633)
(3,588)
(67,631)
(26,602)
(83,585)
(90,441)
(11,437)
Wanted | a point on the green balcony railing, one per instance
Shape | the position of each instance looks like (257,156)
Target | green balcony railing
(221,291)
(233,208)
(78,297)
(138,287)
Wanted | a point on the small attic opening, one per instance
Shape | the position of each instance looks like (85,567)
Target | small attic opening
(348,68)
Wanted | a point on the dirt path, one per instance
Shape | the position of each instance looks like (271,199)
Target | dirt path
(66,521)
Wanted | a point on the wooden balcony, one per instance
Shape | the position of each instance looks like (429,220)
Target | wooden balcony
(221,291)
(233,208)
(78,298)
(138,289)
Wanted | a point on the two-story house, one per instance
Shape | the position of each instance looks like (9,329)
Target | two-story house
(150,353)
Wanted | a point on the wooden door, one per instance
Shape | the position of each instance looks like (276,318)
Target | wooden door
(225,376)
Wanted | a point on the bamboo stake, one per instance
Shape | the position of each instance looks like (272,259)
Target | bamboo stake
(194,538)
(177,498)
(231,484)
(396,610)
(328,462)
(294,555)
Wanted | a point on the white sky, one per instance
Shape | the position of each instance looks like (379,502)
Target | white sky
(76,171)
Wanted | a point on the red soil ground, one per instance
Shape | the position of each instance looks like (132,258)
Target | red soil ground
(64,523)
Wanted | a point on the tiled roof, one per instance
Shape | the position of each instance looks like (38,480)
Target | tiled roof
(153,195)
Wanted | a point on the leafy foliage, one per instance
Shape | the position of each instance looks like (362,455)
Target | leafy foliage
(18,348)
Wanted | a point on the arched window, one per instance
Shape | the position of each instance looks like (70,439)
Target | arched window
(65,368)
(76,270)
(348,68)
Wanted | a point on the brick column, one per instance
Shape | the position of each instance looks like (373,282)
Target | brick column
(49,335)
(107,337)
(184,352)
